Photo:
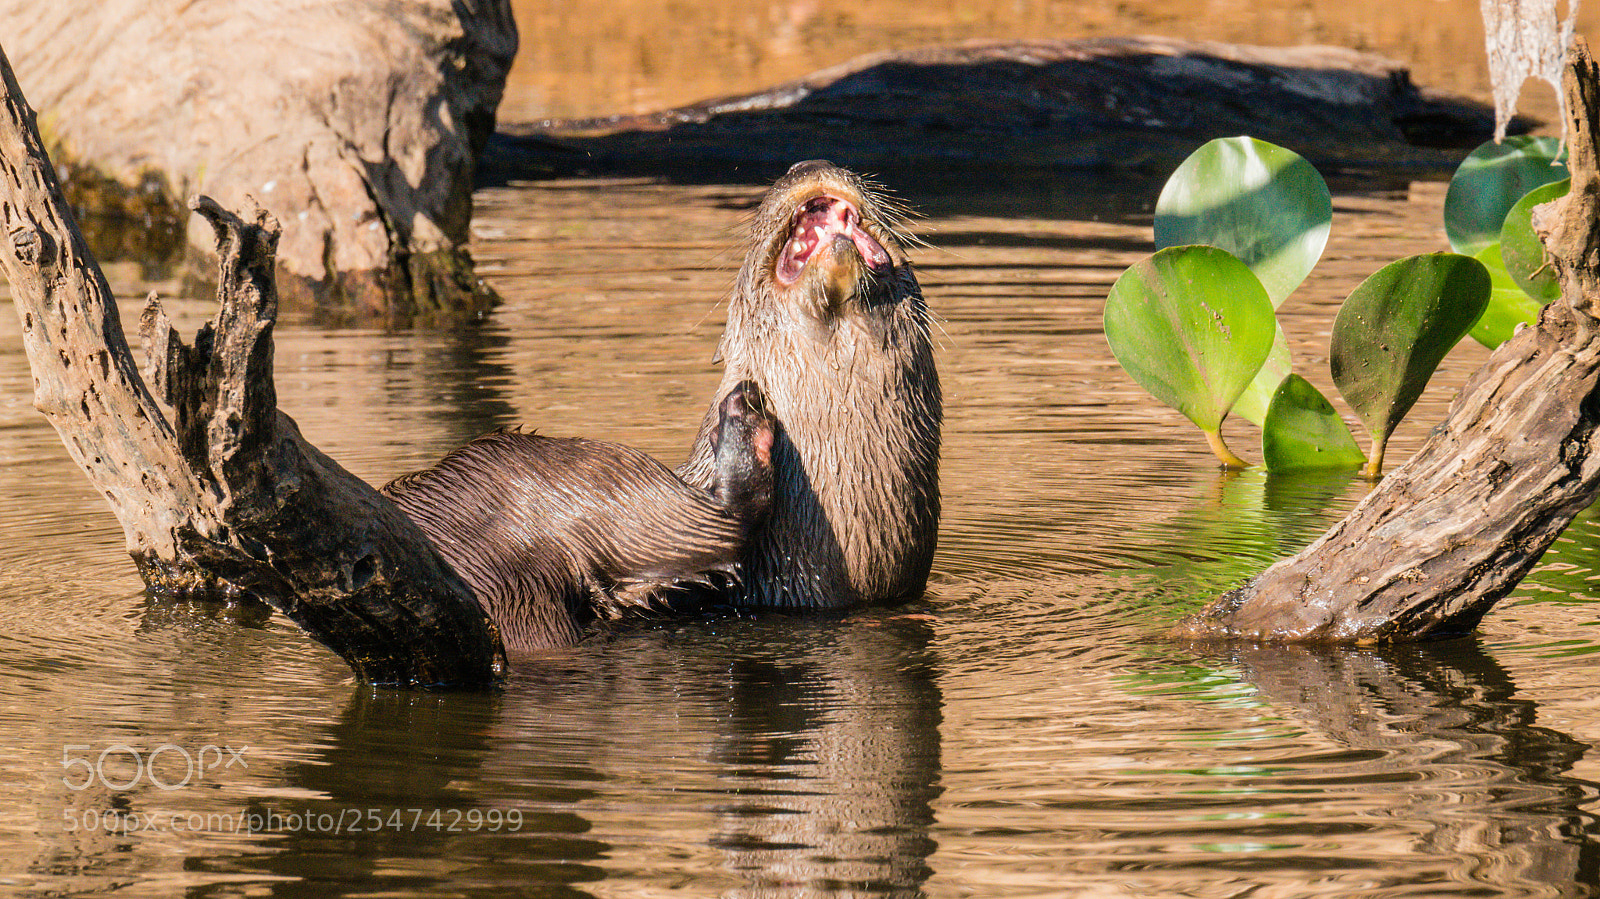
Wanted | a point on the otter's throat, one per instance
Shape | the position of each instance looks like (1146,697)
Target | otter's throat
(818,223)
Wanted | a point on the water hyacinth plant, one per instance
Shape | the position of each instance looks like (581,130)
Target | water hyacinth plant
(1488,212)
(1239,226)
(1220,196)
(1395,329)
(1200,327)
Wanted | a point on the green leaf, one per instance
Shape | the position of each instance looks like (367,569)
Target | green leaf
(1262,203)
(1252,404)
(1522,249)
(1395,329)
(1192,325)
(1508,306)
(1490,181)
(1303,432)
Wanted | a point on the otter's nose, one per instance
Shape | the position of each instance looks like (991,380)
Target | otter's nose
(810,165)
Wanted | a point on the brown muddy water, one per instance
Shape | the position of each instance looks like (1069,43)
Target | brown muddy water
(1022,731)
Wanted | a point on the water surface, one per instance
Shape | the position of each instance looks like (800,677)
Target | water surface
(1021,731)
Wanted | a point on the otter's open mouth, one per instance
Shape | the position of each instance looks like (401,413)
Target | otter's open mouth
(818,223)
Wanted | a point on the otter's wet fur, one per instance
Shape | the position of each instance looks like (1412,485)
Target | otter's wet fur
(843,354)
(554,533)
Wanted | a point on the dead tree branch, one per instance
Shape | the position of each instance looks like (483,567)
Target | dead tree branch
(217,492)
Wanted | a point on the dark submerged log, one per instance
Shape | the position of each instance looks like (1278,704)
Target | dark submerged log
(217,493)
(1459,525)
(1108,105)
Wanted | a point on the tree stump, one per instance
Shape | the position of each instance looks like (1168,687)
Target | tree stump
(357,122)
(217,493)
(1458,526)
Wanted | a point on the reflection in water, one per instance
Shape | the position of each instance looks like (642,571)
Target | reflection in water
(463,376)
(401,779)
(804,760)
(410,395)
(1496,788)
(832,760)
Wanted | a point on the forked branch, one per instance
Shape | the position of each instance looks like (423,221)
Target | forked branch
(217,492)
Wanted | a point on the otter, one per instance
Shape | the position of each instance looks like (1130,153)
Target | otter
(814,478)
(552,533)
(827,318)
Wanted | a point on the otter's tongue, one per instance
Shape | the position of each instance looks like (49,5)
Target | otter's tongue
(818,224)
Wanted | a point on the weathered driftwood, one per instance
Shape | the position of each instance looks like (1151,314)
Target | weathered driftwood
(217,493)
(1457,527)
(356,122)
(1103,104)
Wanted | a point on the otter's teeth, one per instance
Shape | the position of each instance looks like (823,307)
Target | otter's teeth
(825,218)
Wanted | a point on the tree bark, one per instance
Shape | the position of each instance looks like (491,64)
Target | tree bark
(357,122)
(1458,526)
(217,492)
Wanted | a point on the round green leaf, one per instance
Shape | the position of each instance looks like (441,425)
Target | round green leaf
(1522,249)
(1394,330)
(1262,203)
(1490,181)
(1303,432)
(1192,325)
(1252,404)
(1508,306)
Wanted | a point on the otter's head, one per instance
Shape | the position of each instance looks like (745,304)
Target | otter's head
(826,242)
(742,446)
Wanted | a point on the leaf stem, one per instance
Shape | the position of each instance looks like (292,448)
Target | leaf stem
(1374,467)
(1229,460)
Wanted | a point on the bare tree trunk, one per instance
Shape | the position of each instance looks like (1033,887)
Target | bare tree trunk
(357,121)
(1459,525)
(216,491)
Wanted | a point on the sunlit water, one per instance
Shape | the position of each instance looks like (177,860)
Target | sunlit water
(1023,730)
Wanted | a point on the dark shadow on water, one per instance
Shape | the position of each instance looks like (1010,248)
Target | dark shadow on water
(465,375)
